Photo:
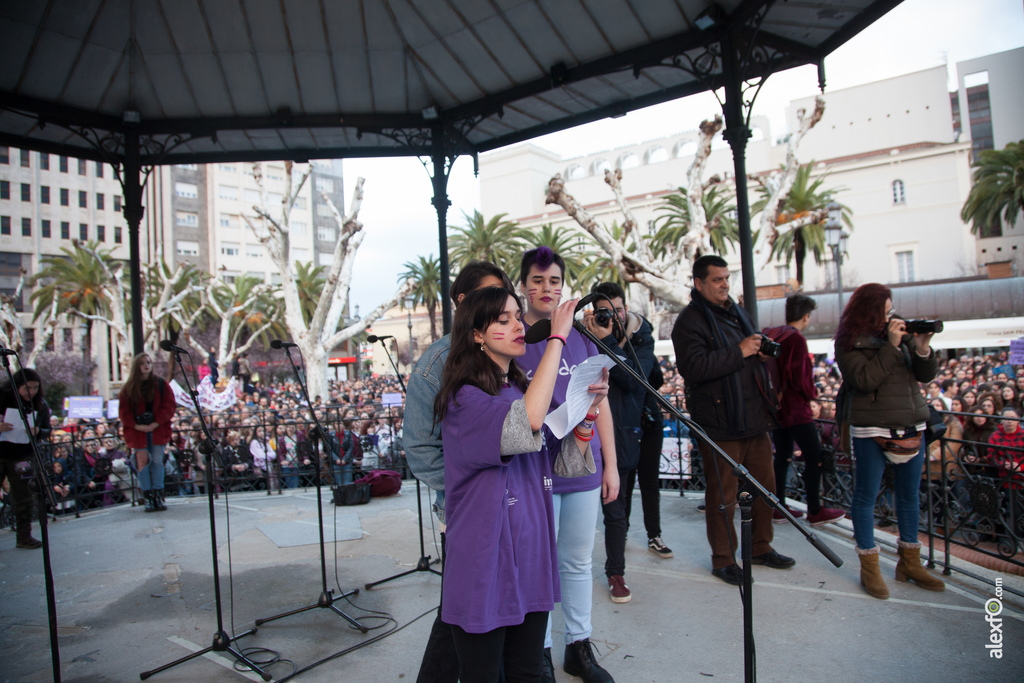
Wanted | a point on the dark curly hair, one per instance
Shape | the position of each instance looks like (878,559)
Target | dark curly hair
(863,314)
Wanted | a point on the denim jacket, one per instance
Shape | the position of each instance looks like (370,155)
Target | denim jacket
(422,437)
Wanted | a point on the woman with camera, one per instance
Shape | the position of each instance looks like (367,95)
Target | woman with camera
(887,417)
(145,409)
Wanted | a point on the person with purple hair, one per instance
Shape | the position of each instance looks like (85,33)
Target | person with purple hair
(577,502)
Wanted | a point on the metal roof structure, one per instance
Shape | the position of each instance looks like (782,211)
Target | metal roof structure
(223,80)
(137,83)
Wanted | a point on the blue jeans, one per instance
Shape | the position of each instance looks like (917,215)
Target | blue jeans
(870,463)
(290,477)
(343,474)
(575,526)
(152,475)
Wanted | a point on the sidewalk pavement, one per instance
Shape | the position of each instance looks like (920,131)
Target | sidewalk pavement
(135,591)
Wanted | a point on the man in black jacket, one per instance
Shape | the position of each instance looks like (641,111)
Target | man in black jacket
(728,393)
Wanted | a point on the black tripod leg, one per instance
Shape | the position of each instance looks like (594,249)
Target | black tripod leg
(221,643)
(423,564)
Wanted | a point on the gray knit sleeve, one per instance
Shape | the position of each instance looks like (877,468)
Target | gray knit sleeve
(516,434)
(571,462)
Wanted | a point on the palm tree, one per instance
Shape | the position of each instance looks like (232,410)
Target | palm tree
(427,276)
(245,323)
(79,282)
(309,281)
(998,188)
(496,240)
(805,196)
(675,221)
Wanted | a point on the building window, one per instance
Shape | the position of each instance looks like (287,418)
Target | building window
(117,234)
(5,225)
(117,202)
(69,338)
(99,201)
(63,164)
(298,228)
(300,255)
(186,219)
(575,172)
(64,196)
(65,230)
(186,248)
(324,211)
(82,169)
(5,155)
(254,251)
(101,233)
(905,266)
(26,192)
(324,185)
(5,189)
(186,190)
(24,158)
(45,228)
(99,170)
(229,248)
(44,194)
(83,199)
(259,277)
(300,203)
(187,167)
(325,233)
(26,227)
(252,197)
(898,192)
(83,232)
(44,161)
(227,192)
(781,274)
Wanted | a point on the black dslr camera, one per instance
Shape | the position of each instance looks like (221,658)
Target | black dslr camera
(144,419)
(770,348)
(923,326)
(603,317)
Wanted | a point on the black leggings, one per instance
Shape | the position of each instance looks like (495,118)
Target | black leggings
(806,436)
(647,474)
(521,648)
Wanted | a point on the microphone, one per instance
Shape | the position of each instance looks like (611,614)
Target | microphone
(539,332)
(278,344)
(589,299)
(7,352)
(373,339)
(166,345)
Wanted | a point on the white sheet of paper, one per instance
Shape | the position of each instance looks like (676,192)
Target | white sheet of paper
(577,399)
(19,434)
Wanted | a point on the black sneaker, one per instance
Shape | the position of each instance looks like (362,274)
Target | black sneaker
(731,574)
(658,548)
(27,541)
(580,661)
(774,560)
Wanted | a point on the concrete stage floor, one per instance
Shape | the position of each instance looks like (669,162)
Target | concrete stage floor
(135,592)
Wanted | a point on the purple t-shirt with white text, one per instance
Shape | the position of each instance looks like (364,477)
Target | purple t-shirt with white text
(577,349)
(501,558)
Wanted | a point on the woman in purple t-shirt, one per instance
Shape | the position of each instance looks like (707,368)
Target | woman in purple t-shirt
(501,575)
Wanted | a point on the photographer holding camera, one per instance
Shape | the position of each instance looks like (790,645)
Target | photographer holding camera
(145,409)
(613,323)
(729,394)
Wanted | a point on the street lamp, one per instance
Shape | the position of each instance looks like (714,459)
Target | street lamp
(410,303)
(359,345)
(836,238)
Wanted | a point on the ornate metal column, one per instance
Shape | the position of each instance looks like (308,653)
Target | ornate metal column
(439,179)
(133,213)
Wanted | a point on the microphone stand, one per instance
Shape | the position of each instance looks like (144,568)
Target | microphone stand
(42,493)
(422,564)
(743,475)
(221,640)
(327,598)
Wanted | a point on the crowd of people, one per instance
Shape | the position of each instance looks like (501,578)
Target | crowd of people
(507,487)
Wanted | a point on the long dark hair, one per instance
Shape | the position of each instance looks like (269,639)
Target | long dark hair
(137,390)
(863,314)
(24,376)
(466,363)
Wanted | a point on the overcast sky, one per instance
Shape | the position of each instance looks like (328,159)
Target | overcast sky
(401,224)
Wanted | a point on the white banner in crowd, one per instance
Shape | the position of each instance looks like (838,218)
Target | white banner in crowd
(209,398)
